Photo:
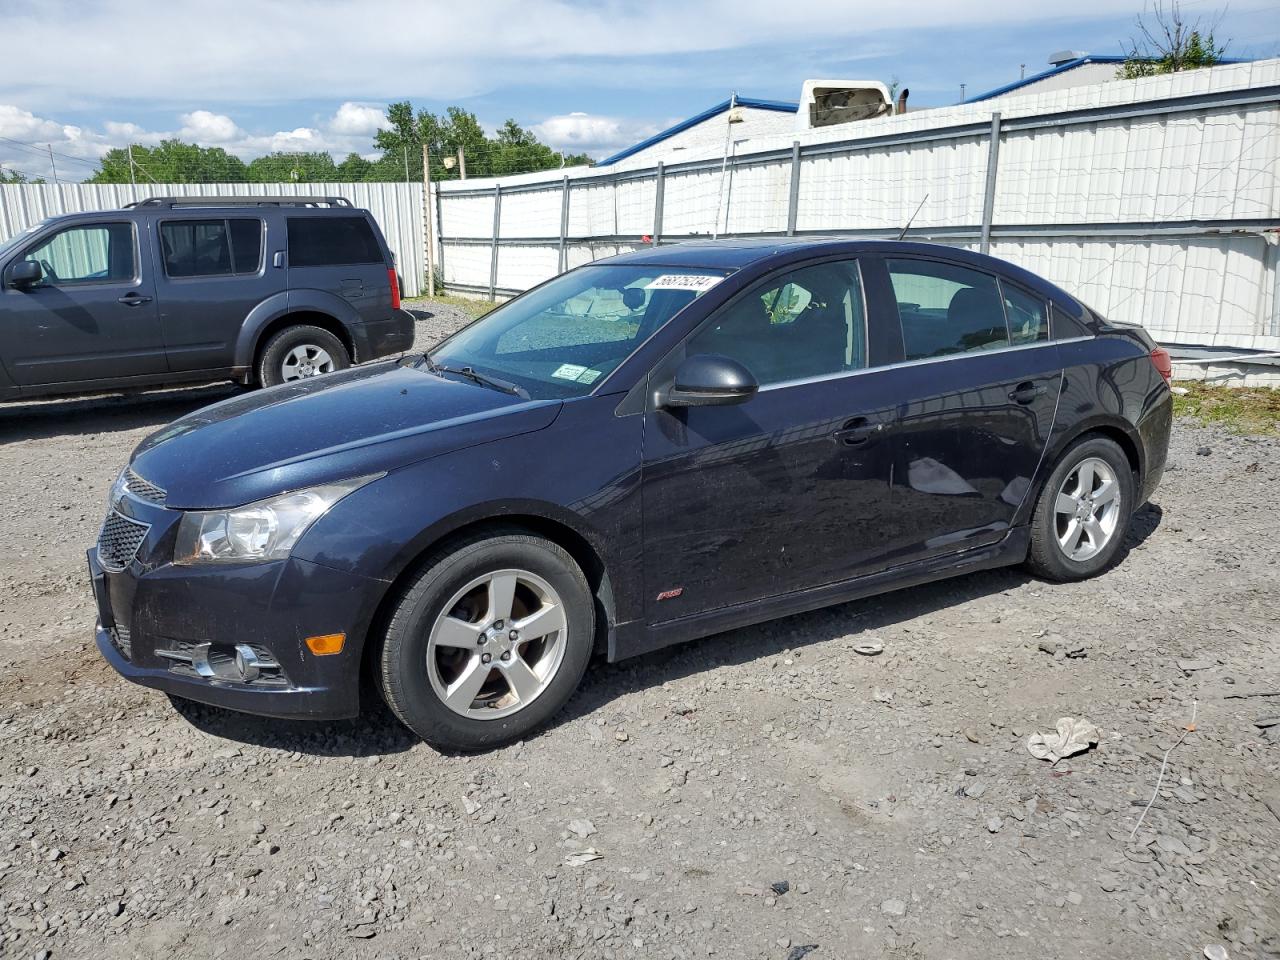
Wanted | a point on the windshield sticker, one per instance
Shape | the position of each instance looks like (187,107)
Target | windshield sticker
(569,371)
(698,283)
(589,376)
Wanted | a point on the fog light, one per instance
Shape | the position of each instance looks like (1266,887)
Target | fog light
(327,644)
(247,663)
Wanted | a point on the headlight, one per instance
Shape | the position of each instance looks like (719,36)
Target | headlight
(257,532)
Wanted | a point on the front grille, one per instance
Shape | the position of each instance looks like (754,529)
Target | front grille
(143,489)
(122,640)
(119,541)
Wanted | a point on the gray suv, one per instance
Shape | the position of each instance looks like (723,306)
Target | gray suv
(189,289)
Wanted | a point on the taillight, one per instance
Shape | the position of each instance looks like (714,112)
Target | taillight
(1163,364)
(395,291)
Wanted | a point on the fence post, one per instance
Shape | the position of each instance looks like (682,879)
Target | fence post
(440,236)
(659,194)
(793,200)
(564,221)
(427,228)
(989,195)
(497,226)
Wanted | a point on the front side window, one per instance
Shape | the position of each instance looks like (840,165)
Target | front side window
(809,322)
(211,248)
(946,309)
(92,253)
(331,241)
(563,338)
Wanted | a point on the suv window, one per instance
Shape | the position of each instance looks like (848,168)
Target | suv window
(946,309)
(1028,321)
(92,253)
(331,241)
(211,248)
(810,322)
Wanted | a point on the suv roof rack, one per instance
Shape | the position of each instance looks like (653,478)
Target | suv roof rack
(193,201)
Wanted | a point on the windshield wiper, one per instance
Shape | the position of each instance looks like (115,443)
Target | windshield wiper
(505,386)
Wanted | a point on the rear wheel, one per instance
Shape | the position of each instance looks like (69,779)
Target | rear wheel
(488,642)
(1083,511)
(301,352)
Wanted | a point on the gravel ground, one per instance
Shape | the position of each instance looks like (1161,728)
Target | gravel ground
(748,795)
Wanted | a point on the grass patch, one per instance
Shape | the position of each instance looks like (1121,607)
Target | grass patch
(1252,410)
(474,308)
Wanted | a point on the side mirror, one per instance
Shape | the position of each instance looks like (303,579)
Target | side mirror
(709,379)
(25,273)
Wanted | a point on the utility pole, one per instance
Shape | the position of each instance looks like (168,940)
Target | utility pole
(462,164)
(405,150)
(962,86)
(53,165)
(427,219)
(724,164)
(132,180)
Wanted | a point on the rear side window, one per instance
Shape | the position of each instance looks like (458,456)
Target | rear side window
(1066,326)
(211,248)
(946,309)
(331,241)
(1028,319)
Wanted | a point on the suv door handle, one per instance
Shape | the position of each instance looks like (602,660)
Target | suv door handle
(133,299)
(857,432)
(1025,393)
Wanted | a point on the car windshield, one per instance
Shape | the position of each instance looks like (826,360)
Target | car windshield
(7,246)
(565,337)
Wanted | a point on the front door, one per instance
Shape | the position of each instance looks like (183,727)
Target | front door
(784,491)
(977,398)
(91,317)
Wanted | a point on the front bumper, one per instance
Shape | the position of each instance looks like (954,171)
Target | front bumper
(151,621)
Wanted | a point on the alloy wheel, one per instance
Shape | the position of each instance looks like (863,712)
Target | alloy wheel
(305,360)
(1087,509)
(498,644)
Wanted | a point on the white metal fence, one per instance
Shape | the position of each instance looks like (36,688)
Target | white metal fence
(396,206)
(1156,200)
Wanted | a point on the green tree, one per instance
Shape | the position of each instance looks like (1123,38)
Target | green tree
(1168,43)
(293,168)
(171,161)
(354,169)
(17,176)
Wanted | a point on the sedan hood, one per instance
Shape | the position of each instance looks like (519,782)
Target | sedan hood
(363,421)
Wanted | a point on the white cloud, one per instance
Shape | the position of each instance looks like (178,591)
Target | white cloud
(204,128)
(358,120)
(591,133)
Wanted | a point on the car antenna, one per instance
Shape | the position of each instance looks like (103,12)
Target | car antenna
(907,226)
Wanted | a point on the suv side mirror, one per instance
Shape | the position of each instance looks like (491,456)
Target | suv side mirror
(25,273)
(710,379)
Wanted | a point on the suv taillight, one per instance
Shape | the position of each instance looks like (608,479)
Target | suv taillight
(395,290)
(1163,364)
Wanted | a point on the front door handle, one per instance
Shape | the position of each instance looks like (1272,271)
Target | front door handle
(857,432)
(133,299)
(1025,393)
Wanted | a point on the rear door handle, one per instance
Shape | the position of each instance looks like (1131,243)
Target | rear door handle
(857,432)
(133,299)
(1025,393)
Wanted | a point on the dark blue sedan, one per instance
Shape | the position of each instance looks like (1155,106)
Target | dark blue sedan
(644,450)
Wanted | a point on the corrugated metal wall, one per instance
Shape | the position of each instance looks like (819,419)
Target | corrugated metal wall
(1155,200)
(396,206)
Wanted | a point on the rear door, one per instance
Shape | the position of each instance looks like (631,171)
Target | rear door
(339,253)
(93,315)
(977,392)
(213,272)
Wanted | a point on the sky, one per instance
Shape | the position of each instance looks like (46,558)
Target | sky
(589,76)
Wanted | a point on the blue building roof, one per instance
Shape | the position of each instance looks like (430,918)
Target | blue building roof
(1063,68)
(782,106)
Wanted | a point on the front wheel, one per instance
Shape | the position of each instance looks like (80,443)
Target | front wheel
(1083,511)
(487,642)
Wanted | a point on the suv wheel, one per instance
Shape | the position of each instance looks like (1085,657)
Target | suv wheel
(297,353)
(1083,511)
(487,642)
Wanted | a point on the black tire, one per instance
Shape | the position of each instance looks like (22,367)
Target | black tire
(1046,557)
(402,667)
(271,360)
